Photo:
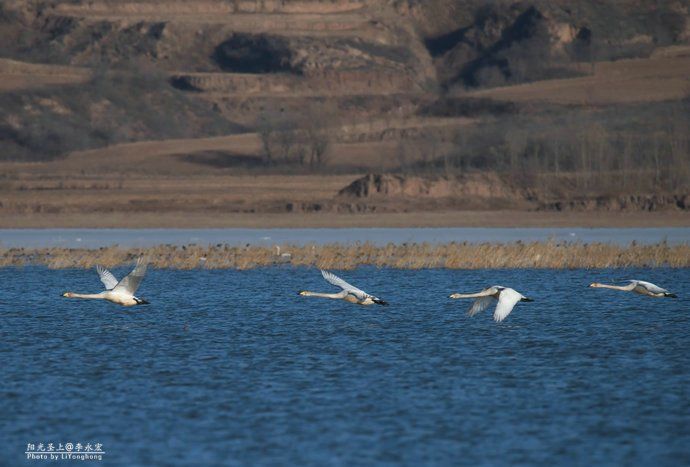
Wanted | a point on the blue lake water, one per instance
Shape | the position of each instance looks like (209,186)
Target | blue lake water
(96,238)
(234,368)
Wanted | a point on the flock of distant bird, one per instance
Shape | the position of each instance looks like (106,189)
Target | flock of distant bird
(122,292)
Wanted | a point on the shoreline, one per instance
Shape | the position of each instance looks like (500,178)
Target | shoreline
(539,255)
(474,218)
(140,238)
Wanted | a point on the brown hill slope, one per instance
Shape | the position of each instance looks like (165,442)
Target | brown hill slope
(240,60)
(663,76)
(543,92)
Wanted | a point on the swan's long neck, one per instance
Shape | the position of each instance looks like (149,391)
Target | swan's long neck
(469,295)
(626,288)
(87,295)
(306,293)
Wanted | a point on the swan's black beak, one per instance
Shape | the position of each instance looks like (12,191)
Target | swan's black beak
(525,299)
(381,302)
(141,301)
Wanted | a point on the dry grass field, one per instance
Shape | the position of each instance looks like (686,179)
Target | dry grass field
(208,216)
(663,76)
(165,157)
(175,194)
(412,256)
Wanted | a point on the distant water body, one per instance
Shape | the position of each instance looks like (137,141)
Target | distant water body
(96,238)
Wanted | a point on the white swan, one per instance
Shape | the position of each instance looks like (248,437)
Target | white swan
(121,292)
(349,293)
(639,287)
(506,297)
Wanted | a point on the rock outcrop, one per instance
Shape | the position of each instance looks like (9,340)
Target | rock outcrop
(403,193)
(390,187)
(479,191)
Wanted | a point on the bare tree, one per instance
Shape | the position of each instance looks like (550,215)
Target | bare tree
(266,129)
(626,160)
(277,134)
(516,143)
(317,124)
(403,157)
(286,142)
(318,142)
(656,159)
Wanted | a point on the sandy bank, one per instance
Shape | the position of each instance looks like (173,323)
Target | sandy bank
(500,218)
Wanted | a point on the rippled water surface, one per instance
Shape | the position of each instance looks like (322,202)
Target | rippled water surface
(233,367)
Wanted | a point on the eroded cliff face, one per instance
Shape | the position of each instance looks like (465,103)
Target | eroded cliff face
(234,37)
(238,59)
(396,192)
(390,186)
(432,43)
(481,191)
(507,42)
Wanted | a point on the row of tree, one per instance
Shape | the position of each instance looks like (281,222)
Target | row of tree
(622,149)
(588,153)
(303,140)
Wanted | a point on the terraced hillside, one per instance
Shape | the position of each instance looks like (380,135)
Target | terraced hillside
(241,60)
(438,88)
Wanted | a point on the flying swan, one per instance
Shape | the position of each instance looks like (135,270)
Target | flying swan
(349,293)
(122,292)
(507,298)
(640,287)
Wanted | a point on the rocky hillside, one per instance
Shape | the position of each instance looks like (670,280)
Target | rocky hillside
(494,43)
(156,69)
(391,187)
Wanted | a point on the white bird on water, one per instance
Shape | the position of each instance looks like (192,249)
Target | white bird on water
(349,293)
(506,297)
(122,292)
(639,287)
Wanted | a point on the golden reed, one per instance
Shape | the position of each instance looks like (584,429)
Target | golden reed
(336,256)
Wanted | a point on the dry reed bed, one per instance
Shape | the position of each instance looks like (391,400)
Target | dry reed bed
(337,256)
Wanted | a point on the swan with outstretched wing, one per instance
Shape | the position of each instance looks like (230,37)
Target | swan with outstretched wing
(638,287)
(349,292)
(119,292)
(506,297)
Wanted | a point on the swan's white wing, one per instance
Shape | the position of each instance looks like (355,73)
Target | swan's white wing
(506,301)
(130,283)
(480,305)
(109,281)
(649,286)
(338,282)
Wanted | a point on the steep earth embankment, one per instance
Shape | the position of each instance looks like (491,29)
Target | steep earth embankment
(489,191)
